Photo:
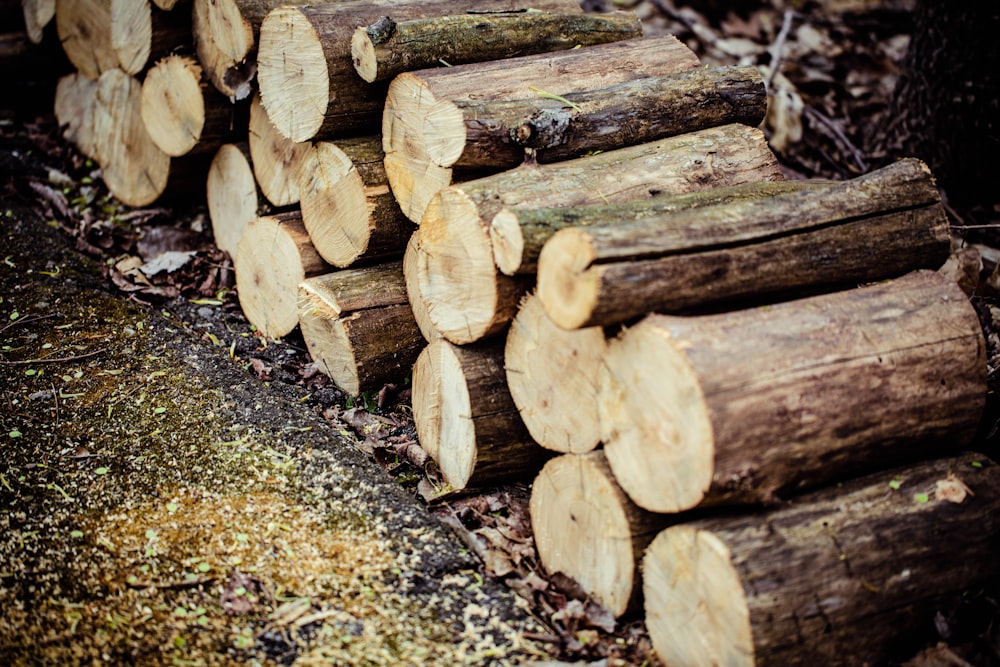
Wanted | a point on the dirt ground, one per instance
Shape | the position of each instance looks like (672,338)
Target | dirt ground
(177,489)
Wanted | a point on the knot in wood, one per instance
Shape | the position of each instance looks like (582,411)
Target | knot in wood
(380,31)
(546,129)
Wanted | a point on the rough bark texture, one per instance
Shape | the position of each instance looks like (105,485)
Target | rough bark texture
(552,377)
(358,326)
(306,73)
(742,406)
(498,133)
(518,234)
(387,48)
(273,256)
(819,238)
(586,528)
(183,113)
(465,418)
(422,105)
(277,162)
(466,296)
(849,575)
(346,203)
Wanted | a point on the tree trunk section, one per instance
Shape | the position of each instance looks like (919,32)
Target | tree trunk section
(273,256)
(849,575)
(387,48)
(358,326)
(234,200)
(586,528)
(815,239)
(74,111)
(306,72)
(518,234)
(346,203)
(496,134)
(467,297)
(423,106)
(183,113)
(744,406)
(37,15)
(551,375)
(417,304)
(465,418)
(278,163)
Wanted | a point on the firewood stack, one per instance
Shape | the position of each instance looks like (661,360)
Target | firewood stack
(580,243)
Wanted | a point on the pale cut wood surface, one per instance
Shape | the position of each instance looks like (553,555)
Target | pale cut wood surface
(552,377)
(277,162)
(272,257)
(37,15)
(417,103)
(467,298)
(586,528)
(74,111)
(746,406)
(234,200)
(853,574)
(388,48)
(815,239)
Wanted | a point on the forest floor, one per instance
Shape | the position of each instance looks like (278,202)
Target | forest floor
(137,399)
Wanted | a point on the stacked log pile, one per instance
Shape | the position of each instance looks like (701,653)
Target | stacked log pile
(581,245)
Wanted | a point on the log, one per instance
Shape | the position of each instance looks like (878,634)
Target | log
(750,405)
(37,15)
(234,200)
(135,170)
(358,326)
(225,34)
(74,111)
(848,575)
(811,240)
(183,113)
(346,203)
(100,35)
(517,235)
(417,305)
(388,48)
(586,528)
(496,133)
(306,73)
(273,256)
(277,162)
(466,296)
(465,418)
(551,375)
(417,101)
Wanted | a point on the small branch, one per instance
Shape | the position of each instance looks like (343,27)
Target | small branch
(30,318)
(839,136)
(777,48)
(55,360)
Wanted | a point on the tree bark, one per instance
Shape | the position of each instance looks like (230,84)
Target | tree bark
(551,375)
(744,406)
(278,163)
(848,575)
(586,528)
(423,106)
(465,418)
(346,203)
(814,239)
(494,134)
(466,296)
(388,48)
(517,235)
(306,73)
(273,256)
(183,113)
(358,326)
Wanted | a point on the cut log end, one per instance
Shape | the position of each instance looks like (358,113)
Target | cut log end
(552,376)
(363,55)
(231,192)
(223,40)
(414,182)
(173,106)
(507,242)
(334,205)
(458,279)
(696,610)
(635,369)
(442,412)
(329,344)
(568,286)
(411,265)
(293,74)
(277,161)
(582,529)
(444,133)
